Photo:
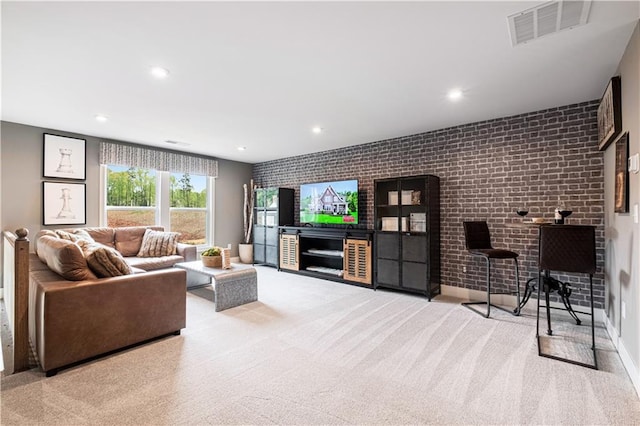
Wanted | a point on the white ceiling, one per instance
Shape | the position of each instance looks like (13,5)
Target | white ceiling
(262,74)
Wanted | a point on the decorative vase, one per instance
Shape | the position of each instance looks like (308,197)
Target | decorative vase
(245,251)
(212,261)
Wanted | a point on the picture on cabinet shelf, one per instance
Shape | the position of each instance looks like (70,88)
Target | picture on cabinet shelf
(329,202)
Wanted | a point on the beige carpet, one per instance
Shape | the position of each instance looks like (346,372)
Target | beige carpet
(317,352)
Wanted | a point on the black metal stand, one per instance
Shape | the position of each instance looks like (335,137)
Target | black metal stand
(551,284)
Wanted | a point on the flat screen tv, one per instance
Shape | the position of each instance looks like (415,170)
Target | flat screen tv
(329,202)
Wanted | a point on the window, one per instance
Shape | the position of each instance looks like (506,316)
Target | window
(131,196)
(188,200)
(180,202)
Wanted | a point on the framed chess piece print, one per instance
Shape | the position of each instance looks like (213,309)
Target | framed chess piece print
(64,157)
(63,203)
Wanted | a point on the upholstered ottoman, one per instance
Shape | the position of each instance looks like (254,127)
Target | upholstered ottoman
(235,288)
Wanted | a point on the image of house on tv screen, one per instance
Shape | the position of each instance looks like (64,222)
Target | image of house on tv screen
(329,202)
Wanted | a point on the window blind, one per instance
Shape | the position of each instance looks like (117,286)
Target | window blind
(148,158)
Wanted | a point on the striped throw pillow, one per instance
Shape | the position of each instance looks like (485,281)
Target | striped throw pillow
(158,243)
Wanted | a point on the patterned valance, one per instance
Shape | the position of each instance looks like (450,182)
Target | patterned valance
(149,158)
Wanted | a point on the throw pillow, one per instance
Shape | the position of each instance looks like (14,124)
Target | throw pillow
(81,234)
(104,261)
(42,233)
(77,235)
(158,243)
(64,258)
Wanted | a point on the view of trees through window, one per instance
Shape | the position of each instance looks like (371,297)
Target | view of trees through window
(131,201)
(188,196)
(131,196)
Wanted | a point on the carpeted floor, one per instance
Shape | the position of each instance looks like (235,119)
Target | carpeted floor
(318,352)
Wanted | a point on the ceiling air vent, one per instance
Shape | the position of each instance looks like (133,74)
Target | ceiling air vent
(548,18)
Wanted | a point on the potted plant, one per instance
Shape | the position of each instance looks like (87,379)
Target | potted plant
(212,257)
(245,250)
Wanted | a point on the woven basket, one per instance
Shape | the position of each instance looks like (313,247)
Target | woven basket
(212,261)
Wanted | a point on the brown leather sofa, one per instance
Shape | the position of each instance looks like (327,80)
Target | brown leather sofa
(72,321)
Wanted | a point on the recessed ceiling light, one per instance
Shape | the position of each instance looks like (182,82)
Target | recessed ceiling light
(159,72)
(101,118)
(242,148)
(177,143)
(317,130)
(455,94)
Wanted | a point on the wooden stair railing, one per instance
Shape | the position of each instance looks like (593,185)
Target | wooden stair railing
(16,295)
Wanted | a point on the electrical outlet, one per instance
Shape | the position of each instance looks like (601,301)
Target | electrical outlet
(624,310)
(464,269)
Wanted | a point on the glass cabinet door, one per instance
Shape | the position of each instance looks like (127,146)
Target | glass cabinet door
(271,198)
(260,198)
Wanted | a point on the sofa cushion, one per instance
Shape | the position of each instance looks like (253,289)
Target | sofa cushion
(153,263)
(129,239)
(102,235)
(64,257)
(104,261)
(158,243)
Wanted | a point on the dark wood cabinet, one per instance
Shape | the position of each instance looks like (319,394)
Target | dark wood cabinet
(407,234)
(336,254)
(273,208)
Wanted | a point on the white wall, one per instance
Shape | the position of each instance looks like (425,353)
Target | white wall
(622,235)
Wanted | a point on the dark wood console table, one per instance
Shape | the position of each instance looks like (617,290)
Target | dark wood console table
(337,254)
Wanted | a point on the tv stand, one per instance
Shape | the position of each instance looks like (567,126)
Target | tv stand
(337,254)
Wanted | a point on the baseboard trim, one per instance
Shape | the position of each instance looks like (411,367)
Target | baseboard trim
(506,300)
(627,361)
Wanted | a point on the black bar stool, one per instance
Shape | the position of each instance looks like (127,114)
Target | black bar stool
(569,249)
(478,241)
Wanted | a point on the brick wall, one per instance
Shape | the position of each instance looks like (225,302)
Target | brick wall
(486,170)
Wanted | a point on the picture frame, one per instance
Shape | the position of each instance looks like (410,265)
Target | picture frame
(610,114)
(621,201)
(64,203)
(64,157)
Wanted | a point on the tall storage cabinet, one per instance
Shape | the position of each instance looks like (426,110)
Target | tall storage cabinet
(407,234)
(273,208)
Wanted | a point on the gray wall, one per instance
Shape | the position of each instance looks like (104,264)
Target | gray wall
(229,203)
(21,184)
(622,235)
